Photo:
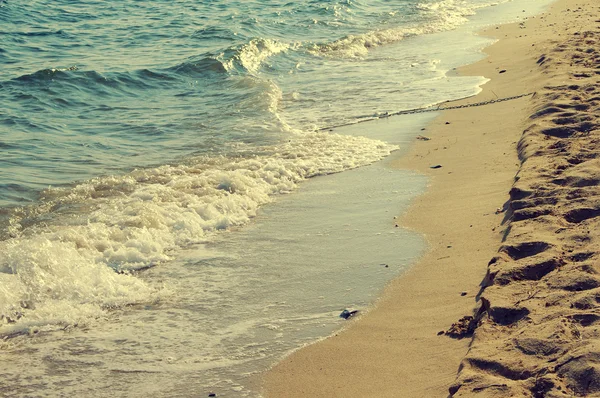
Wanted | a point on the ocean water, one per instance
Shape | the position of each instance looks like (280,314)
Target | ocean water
(161,231)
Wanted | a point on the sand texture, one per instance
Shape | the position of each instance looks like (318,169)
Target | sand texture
(539,324)
(518,185)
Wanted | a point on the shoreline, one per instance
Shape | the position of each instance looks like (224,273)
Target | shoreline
(394,349)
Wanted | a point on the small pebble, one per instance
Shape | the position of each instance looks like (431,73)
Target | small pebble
(346,314)
(441,332)
(463,294)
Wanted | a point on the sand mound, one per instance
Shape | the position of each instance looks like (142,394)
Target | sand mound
(538,331)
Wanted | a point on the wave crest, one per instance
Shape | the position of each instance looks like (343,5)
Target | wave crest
(251,55)
(442,16)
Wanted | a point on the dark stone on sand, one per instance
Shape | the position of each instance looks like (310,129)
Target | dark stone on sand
(502,71)
(436,166)
(346,314)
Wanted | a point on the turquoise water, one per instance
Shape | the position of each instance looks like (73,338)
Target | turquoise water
(132,131)
(94,88)
(148,244)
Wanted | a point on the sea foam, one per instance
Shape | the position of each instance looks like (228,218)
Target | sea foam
(72,256)
(438,17)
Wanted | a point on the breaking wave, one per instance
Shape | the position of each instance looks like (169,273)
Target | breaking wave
(72,256)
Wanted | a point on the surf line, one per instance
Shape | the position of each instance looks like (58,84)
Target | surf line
(433,108)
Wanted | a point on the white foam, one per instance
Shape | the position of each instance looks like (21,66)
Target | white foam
(443,16)
(65,271)
(252,54)
(48,278)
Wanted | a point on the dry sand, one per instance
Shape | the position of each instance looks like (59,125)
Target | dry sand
(537,311)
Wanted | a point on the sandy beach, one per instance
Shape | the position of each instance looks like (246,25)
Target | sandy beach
(511,219)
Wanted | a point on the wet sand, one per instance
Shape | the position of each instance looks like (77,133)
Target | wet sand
(512,222)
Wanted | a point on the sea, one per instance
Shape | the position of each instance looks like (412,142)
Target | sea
(190,190)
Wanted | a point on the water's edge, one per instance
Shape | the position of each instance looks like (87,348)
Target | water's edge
(514,14)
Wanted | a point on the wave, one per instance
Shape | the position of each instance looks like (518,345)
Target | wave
(198,67)
(239,59)
(439,16)
(244,58)
(72,256)
(63,86)
(45,74)
(214,32)
(252,54)
(73,75)
(41,33)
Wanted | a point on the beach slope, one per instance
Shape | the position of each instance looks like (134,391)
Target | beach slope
(538,329)
(511,219)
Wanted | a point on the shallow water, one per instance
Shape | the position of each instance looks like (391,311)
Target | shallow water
(232,307)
